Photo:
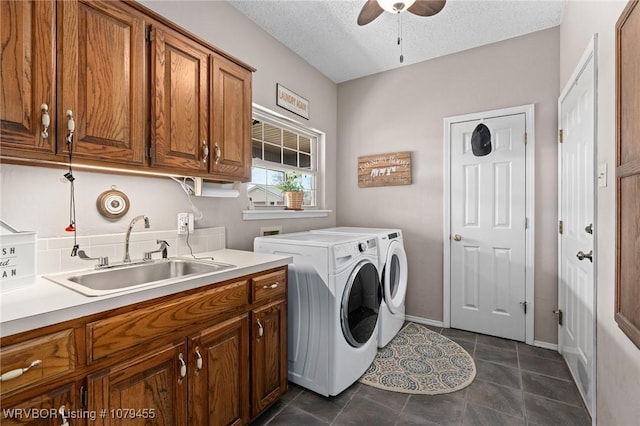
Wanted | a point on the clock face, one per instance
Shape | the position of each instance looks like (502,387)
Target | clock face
(112,204)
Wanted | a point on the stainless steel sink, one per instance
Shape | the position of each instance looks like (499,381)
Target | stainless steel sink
(121,278)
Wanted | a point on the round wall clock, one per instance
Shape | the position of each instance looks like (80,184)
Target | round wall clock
(112,204)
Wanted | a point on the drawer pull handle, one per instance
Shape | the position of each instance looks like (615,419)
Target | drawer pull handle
(274,285)
(260,329)
(198,360)
(19,371)
(183,367)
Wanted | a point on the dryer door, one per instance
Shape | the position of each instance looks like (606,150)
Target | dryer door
(395,276)
(361,304)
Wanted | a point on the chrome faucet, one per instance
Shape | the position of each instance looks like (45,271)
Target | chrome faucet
(127,259)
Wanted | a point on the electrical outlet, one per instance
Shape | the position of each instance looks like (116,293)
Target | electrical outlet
(185,223)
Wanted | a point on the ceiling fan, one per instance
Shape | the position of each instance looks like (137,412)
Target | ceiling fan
(374,8)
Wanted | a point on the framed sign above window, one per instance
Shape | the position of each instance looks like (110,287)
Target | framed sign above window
(291,101)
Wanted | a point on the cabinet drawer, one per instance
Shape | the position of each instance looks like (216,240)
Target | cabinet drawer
(110,335)
(56,353)
(269,286)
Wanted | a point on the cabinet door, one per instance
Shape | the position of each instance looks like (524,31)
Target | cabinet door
(101,79)
(219,386)
(27,77)
(180,102)
(150,389)
(231,122)
(269,355)
(42,410)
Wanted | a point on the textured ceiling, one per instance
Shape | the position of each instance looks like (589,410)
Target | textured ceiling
(325,33)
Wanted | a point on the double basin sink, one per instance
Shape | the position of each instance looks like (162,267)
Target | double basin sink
(121,278)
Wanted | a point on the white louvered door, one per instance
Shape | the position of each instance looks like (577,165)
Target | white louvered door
(488,235)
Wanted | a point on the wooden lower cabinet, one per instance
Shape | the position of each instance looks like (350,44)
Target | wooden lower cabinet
(269,355)
(149,389)
(41,410)
(212,356)
(219,376)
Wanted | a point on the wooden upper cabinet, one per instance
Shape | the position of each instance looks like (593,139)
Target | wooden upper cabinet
(27,77)
(627,308)
(231,124)
(179,102)
(142,93)
(101,79)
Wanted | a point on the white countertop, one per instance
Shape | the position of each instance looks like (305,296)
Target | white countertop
(45,302)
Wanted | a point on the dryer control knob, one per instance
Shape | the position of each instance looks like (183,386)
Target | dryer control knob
(362,247)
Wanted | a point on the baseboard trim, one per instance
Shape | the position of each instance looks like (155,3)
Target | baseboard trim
(424,321)
(546,345)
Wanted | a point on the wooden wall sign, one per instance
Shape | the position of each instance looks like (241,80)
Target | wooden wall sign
(384,169)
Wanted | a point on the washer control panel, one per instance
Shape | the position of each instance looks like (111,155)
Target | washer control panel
(351,250)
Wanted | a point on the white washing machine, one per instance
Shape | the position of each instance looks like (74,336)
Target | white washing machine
(394,272)
(334,297)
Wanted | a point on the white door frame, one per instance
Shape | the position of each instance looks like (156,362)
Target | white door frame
(529,112)
(590,53)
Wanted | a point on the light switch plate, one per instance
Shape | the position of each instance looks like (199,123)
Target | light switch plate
(602,175)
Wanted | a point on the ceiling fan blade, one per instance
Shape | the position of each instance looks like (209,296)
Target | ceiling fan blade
(426,7)
(370,11)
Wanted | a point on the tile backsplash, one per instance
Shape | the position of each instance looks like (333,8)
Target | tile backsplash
(54,254)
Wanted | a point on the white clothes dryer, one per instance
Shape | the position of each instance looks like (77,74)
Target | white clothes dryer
(393,268)
(334,297)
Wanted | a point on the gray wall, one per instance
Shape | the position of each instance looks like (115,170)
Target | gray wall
(34,198)
(403,110)
(618,359)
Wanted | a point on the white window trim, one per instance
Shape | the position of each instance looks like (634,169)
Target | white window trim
(265,114)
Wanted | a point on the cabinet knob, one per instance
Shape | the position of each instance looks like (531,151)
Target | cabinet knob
(19,371)
(46,121)
(274,285)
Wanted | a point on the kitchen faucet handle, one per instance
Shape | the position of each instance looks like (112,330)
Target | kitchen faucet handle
(102,261)
(162,249)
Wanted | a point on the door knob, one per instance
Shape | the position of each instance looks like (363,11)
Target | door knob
(582,256)
(589,229)
(457,237)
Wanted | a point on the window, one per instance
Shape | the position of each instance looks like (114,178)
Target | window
(281,146)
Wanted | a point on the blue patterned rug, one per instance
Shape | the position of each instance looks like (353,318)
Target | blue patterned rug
(420,361)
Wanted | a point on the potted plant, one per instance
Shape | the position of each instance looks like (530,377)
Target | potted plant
(292,189)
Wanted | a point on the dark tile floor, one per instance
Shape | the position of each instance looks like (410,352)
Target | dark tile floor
(515,384)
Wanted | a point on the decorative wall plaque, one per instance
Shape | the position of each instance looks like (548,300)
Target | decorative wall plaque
(384,169)
(291,101)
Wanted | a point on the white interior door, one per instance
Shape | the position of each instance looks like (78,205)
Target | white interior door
(576,287)
(488,234)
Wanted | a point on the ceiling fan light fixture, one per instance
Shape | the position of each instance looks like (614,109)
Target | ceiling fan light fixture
(395,6)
